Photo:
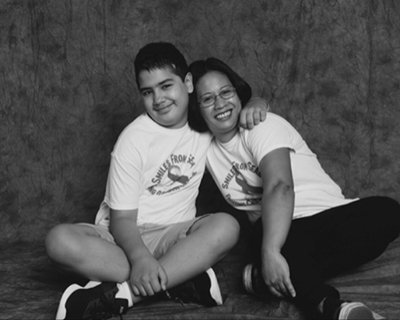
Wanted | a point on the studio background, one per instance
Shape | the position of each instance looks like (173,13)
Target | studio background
(67,89)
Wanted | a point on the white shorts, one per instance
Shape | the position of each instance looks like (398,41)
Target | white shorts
(157,238)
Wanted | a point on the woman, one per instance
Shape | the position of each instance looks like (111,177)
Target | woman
(305,230)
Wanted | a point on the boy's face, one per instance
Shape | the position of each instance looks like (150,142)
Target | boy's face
(165,96)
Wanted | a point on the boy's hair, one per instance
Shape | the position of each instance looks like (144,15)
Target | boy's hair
(160,55)
(200,68)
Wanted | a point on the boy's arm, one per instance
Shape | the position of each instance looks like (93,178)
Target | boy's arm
(253,112)
(147,275)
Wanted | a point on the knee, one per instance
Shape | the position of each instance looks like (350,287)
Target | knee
(386,212)
(226,230)
(60,242)
(392,209)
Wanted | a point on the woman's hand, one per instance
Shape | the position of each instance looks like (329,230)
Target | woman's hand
(148,277)
(276,275)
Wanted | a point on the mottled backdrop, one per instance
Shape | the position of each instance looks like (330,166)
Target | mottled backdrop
(67,89)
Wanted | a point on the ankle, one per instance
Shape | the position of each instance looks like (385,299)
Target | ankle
(329,307)
(125,292)
(320,307)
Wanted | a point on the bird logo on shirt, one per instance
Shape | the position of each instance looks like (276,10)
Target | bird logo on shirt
(174,174)
(248,189)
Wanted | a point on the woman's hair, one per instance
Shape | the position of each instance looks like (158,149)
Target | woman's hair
(200,68)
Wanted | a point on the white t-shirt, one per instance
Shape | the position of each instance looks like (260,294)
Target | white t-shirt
(157,171)
(235,168)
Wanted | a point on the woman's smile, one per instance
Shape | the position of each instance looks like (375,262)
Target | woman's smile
(224,115)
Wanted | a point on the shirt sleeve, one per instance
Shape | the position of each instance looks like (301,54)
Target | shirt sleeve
(274,133)
(124,181)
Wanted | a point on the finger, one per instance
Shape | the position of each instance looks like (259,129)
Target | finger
(283,290)
(243,120)
(142,291)
(263,115)
(243,124)
(254,119)
(135,290)
(280,287)
(153,287)
(290,288)
(160,283)
(149,288)
(250,121)
(163,279)
(275,292)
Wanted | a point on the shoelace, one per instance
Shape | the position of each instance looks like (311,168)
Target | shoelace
(175,298)
(183,294)
(98,312)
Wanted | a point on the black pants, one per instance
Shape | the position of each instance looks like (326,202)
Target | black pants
(333,241)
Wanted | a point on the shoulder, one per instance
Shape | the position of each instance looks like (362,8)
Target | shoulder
(135,135)
(272,125)
(275,121)
(143,127)
(138,126)
(274,133)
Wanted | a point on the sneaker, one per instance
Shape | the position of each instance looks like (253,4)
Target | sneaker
(337,309)
(252,280)
(354,310)
(203,289)
(94,301)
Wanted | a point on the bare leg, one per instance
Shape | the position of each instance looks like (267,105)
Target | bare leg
(79,249)
(209,241)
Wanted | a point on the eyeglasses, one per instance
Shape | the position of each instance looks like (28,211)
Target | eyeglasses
(209,100)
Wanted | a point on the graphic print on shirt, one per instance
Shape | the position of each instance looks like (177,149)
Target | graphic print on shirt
(249,194)
(173,174)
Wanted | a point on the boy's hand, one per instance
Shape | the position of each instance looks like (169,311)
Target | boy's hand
(148,277)
(253,112)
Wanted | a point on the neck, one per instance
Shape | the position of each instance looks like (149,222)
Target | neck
(226,136)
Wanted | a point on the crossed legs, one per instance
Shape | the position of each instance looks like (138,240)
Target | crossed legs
(79,249)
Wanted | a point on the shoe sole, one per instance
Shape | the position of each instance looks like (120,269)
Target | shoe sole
(92,284)
(214,289)
(62,311)
(355,310)
(246,278)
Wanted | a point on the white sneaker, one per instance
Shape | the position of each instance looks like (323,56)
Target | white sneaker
(203,289)
(94,301)
(354,310)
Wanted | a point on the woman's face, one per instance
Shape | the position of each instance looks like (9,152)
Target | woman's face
(222,116)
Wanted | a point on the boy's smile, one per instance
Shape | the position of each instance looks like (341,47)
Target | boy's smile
(165,96)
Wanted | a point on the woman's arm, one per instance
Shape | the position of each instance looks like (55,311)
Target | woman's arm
(277,212)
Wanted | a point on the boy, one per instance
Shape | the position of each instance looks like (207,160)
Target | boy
(146,238)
